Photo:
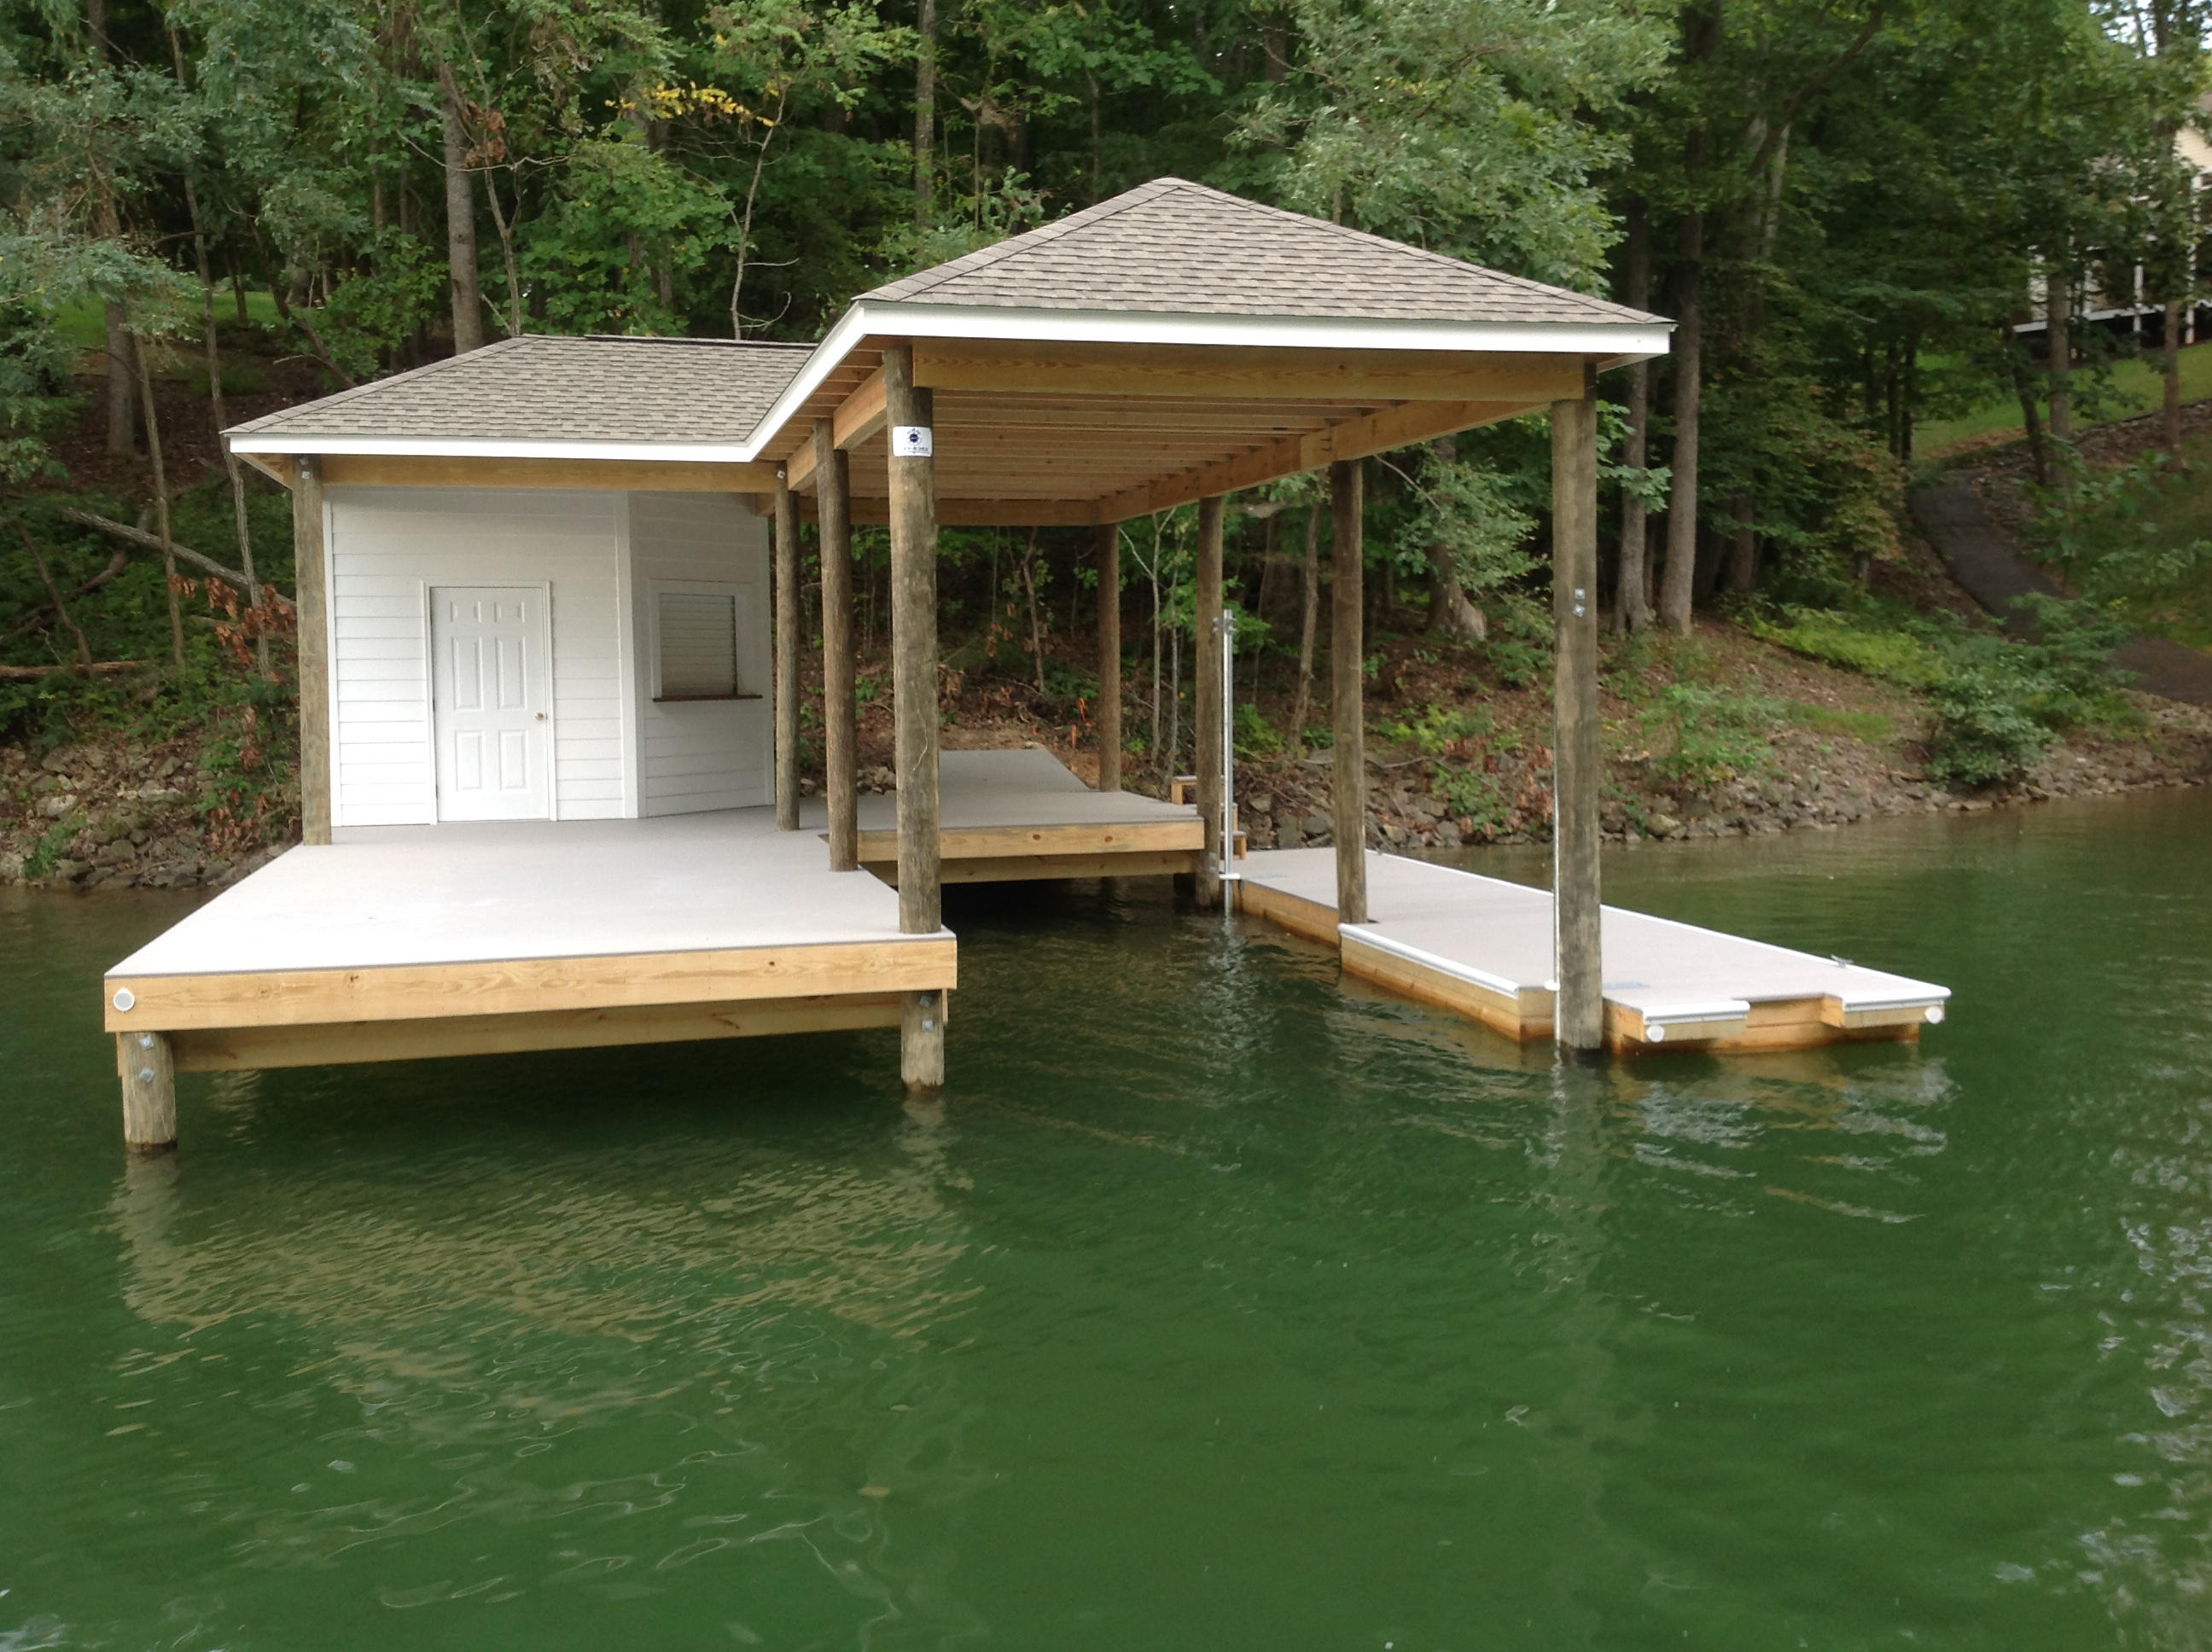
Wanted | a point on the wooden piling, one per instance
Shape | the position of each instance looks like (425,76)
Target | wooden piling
(1109,656)
(1207,672)
(145,1063)
(310,616)
(787,656)
(840,707)
(1347,667)
(914,688)
(1579,1020)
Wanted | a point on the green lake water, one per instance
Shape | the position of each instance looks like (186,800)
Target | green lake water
(1218,1305)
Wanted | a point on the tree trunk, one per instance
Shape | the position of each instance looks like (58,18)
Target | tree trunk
(925,113)
(460,222)
(1631,609)
(215,393)
(1680,579)
(1310,619)
(122,383)
(161,508)
(1450,613)
(1743,548)
(2058,315)
(2031,414)
(2172,351)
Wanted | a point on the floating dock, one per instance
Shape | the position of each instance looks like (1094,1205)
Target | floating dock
(1010,815)
(1484,948)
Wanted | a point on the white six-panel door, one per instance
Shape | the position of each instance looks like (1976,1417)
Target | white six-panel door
(490,695)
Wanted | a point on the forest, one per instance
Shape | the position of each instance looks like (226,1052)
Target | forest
(1867,217)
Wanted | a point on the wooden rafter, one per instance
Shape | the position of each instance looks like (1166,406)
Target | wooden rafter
(1399,427)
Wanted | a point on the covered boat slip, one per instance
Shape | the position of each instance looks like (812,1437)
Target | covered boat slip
(403,941)
(1486,948)
(509,607)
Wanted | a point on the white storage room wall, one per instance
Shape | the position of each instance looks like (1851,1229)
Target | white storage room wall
(707,754)
(387,546)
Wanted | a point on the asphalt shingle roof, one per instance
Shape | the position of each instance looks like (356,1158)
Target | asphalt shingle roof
(535,388)
(1175,246)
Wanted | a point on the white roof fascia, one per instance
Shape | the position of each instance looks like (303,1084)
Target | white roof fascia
(1627,341)
(446,448)
(1279,331)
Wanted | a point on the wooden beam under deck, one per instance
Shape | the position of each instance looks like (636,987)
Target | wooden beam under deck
(415,992)
(339,1043)
(1043,868)
(1079,839)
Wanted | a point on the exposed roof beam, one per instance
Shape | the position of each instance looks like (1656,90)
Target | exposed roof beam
(858,418)
(1378,433)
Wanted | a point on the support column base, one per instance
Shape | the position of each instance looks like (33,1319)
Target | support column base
(922,1041)
(146,1066)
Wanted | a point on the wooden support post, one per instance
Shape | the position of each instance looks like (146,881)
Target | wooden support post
(1109,656)
(913,690)
(1205,663)
(311,615)
(148,1070)
(1579,1020)
(787,656)
(1347,672)
(839,708)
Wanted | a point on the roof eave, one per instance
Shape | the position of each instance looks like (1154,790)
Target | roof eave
(277,441)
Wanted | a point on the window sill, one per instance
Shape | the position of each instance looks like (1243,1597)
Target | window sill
(693,699)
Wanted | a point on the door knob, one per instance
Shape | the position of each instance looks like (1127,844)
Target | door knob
(541,716)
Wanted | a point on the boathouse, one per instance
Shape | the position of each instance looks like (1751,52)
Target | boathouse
(550,639)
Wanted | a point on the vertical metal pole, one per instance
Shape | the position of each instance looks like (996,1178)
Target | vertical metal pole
(787,654)
(1209,698)
(1225,629)
(1348,668)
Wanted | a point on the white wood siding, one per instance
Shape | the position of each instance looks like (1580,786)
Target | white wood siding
(388,547)
(710,753)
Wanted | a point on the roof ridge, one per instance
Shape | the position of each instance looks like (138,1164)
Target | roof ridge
(984,258)
(354,391)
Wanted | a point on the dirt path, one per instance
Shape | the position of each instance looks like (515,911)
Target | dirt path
(1986,562)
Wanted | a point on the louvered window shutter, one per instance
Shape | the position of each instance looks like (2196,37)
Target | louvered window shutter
(698,645)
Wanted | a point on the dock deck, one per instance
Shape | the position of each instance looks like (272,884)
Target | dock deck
(1483,947)
(1021,814)
(405,941)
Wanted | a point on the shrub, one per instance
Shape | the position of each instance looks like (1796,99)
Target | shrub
(1711,735)
(1984,731)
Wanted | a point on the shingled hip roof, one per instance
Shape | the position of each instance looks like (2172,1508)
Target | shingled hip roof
(1174,246)
(1171,263)
(600,397)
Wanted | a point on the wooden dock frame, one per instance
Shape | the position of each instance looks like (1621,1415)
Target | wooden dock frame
(222,1022)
